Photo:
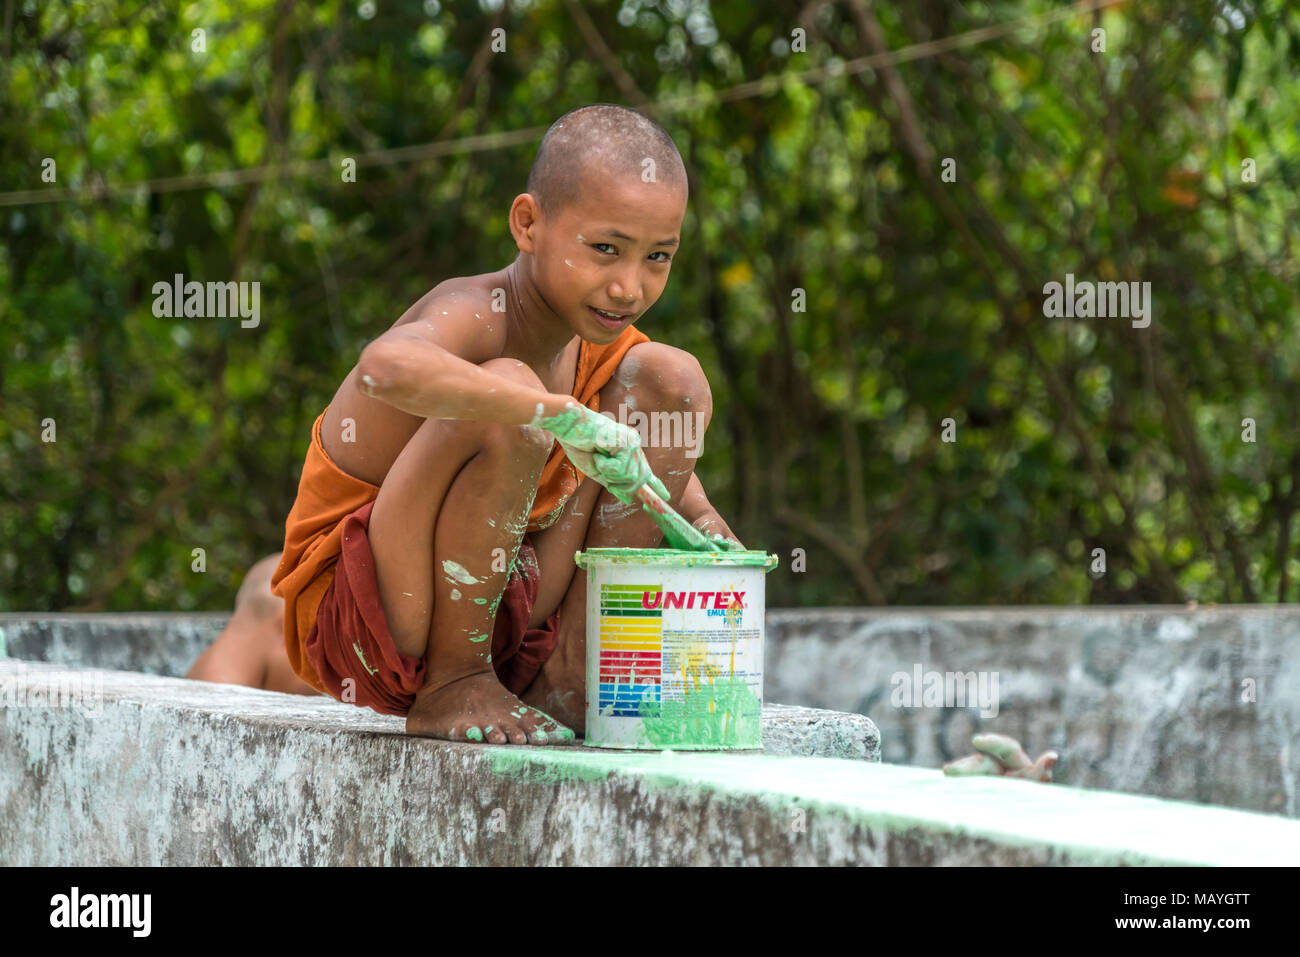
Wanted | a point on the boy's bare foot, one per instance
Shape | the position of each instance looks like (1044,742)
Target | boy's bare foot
(1003,756)
(477,708)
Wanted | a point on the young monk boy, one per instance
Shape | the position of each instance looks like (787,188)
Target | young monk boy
(428,561)
(250,649)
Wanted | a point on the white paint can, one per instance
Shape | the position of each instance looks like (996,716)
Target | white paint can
(675,648)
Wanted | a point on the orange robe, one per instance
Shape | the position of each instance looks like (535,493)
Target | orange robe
(327,495)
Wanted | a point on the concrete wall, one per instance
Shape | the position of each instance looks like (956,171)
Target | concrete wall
(156,643)
(165,644)
(141,770)
(1141,699)
(1149,700)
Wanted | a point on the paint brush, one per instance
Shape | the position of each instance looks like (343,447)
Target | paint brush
(678,532)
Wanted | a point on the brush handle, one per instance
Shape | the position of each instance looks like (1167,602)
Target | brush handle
(677,531)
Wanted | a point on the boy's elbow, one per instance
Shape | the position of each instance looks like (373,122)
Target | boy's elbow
(379,369)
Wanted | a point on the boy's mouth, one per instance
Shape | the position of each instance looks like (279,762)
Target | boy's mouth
(609,319)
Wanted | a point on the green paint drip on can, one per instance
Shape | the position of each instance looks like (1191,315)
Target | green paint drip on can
(674,557)
(723,713)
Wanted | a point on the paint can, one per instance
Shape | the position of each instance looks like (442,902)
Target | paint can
(675,648)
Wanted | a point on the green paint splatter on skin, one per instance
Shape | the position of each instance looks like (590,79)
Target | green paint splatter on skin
(721,713)
(455,594)
(488,729)
(458,573)
(478,638)
(480,601)
(674,557)
(474,734)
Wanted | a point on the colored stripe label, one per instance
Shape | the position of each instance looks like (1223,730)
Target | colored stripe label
(630,666)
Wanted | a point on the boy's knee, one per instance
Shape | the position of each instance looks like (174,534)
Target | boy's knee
(531,441)
(668,378)
(514,370)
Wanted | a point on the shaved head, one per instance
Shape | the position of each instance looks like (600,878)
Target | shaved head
(600,140)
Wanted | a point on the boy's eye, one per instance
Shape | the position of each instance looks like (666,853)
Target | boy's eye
(667,258)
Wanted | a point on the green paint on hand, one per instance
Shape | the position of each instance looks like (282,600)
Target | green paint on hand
(721,713)
(608,451)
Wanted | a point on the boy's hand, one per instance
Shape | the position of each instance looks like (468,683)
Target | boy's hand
(1003,756)
(724,544)
(608,451)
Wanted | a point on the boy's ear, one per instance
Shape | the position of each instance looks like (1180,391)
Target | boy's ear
(525,213)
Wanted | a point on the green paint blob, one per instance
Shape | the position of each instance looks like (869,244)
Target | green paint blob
(478,638)
(480,601)
(474,734)
(723,713)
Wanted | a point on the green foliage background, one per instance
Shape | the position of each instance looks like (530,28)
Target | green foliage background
(923,298)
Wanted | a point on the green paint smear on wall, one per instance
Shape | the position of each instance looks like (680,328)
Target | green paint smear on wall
(534,765)
(721,713)
(1065,824)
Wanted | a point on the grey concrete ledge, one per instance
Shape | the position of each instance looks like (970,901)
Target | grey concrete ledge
(1199,704)
(157,643)
(1143,699)
(166,771)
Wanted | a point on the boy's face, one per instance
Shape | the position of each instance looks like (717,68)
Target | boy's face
(609,251)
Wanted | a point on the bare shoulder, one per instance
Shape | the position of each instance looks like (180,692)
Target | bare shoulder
(457,314)
(363,435)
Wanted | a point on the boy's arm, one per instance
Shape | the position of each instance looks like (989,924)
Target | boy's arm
(697,510)
(431,370)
